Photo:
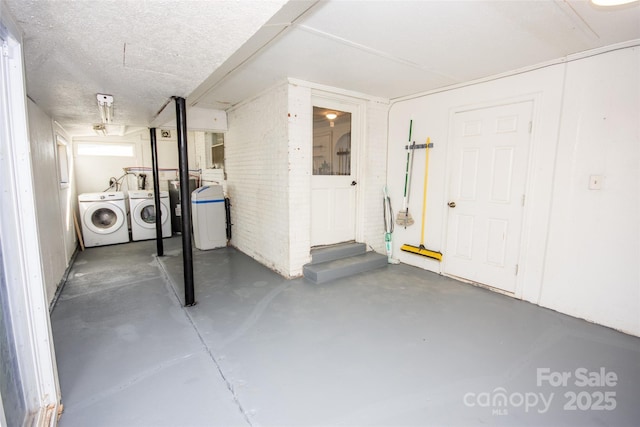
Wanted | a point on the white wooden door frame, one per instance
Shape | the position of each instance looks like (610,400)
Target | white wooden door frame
(358,120)
(534,98)
(18,221)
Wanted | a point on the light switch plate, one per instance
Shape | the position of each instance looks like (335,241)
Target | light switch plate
(595,182)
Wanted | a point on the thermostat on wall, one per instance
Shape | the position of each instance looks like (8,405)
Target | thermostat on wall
(165,133)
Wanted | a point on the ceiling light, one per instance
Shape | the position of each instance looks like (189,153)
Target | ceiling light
(612,2)
(331,116)
(105,105)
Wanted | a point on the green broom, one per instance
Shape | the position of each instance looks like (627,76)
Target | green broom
(404,217)
(421,250)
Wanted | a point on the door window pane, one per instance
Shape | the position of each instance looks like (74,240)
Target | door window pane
(331,142)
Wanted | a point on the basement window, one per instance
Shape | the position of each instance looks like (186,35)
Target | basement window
(110,150)
(63,161)
(215,150)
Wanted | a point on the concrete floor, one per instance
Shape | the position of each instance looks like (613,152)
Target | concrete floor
(394,347)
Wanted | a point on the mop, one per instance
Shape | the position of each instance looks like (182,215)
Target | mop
(404,218)
(388,226)
(421,250)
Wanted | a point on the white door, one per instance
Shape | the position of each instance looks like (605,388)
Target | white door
(487,193)
(333,184)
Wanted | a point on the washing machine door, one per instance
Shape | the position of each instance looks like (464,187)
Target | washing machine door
(144,214)
(104,218)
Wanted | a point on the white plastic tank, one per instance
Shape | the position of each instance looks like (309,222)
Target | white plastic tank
(209,217)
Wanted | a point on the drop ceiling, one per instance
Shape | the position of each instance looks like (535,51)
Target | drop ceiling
(219,53)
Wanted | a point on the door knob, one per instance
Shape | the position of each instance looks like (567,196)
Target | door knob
(353,183)
(452,204)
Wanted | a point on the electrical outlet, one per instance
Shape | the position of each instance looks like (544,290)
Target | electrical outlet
(595,182)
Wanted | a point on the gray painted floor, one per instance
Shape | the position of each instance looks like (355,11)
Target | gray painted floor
(394,347)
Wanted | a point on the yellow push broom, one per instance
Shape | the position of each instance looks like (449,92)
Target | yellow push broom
(421,250)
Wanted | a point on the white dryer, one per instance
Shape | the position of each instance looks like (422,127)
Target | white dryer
(104,218)
(143,214)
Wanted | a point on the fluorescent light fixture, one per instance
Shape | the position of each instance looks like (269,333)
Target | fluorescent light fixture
(100,129)
(105,105)
(331,116)
(611,2)
(117,130)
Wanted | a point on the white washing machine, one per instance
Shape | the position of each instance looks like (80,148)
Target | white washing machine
(143,214)
(104,218)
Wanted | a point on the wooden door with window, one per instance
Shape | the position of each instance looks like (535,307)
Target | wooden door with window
(333,184)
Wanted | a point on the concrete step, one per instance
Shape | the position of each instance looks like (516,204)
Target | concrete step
(333,252)
(335,269)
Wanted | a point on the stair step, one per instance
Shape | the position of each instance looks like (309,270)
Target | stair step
(333,252)
(335,269)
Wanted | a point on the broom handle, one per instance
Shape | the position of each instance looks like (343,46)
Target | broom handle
(424,192)
(406,181)
(405,201)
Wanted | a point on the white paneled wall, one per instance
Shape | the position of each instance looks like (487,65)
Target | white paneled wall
(68,195)
(580,247)
(592,262)
(431,116)
(54,204)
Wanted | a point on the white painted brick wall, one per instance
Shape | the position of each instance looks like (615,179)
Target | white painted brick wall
(268,151)
(257,163)
(300,163)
